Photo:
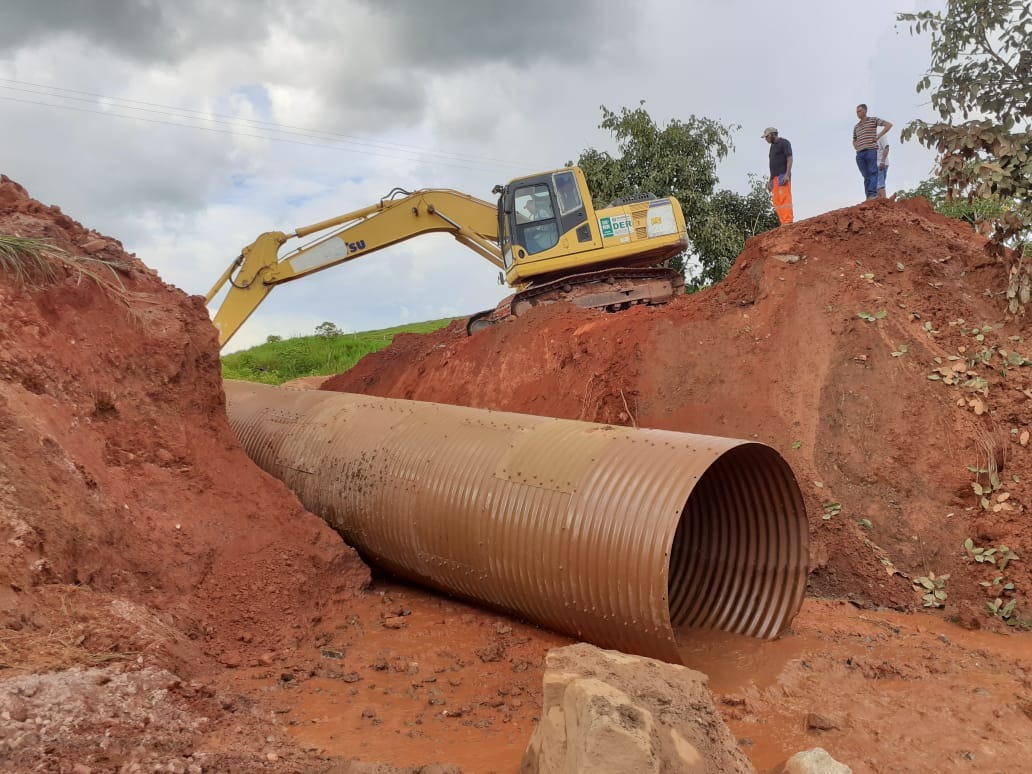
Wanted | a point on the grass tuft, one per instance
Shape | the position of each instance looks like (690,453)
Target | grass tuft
(32,259)
(27,258)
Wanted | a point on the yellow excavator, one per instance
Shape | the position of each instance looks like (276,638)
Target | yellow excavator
(543,234)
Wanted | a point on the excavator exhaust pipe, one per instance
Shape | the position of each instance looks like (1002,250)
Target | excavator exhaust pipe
(613,535)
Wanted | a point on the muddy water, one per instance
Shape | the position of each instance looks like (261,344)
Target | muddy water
(734,662)
(737,666)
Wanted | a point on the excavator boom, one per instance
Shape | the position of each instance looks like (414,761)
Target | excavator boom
(259,268)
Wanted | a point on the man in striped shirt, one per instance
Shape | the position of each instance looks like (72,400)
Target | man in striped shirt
(865,142)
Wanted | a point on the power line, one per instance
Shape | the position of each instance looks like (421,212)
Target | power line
(259,124)
(269,130)
(233,132)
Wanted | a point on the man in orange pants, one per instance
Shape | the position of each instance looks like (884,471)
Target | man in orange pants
(780,182)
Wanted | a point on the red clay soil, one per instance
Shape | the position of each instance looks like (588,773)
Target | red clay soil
(165,604)
(134,529)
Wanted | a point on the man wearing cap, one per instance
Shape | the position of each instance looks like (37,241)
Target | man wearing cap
(780,182)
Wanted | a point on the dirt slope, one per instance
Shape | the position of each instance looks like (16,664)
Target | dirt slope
(132,526)
(780,353)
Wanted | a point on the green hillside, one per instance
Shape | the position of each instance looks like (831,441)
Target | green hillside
(280,361)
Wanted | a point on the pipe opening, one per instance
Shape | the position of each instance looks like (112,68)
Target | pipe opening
(738,561)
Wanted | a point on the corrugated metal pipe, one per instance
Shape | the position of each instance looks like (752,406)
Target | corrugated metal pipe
(613,535)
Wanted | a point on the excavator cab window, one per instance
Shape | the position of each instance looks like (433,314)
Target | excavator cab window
(566,192)
(536,228)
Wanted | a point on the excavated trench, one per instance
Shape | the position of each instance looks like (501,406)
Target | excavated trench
(613,535)
(136,531)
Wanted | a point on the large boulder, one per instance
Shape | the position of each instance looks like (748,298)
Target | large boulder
(605,711)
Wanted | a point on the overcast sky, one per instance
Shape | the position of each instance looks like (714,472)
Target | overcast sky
(187,128)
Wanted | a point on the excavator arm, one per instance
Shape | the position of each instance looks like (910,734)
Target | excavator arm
(396,218)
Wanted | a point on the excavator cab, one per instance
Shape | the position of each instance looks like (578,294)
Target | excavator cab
(535,213)
(549,229)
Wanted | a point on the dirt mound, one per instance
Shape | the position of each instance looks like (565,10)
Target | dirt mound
(133,529)
(869,346)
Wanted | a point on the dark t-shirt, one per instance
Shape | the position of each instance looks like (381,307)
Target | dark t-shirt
(780,150)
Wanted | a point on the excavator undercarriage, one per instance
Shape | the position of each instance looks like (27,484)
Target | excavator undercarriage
(609,289)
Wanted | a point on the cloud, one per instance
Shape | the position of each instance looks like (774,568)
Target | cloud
(139,31)
(187,129)
(454,34)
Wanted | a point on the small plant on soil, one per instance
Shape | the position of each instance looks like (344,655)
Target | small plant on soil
(998,585)
(1002,609)
(1007,611)
(1015,359)
(1001,556)
(933,588)
(990,498)
(831,509)
(979,333)
(879,315)
(959,373)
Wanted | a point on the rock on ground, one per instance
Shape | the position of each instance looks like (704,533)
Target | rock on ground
(606,711)
(815,761)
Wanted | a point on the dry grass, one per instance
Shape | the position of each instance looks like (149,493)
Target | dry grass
(34,259)
(70,622)
(27,258)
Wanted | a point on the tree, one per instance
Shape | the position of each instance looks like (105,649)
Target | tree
(328,330)
(732,219)
(680,159)
(977,213)
(981,71)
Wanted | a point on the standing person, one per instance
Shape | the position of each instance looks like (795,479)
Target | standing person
(883,165)
(780,181)
(865,143)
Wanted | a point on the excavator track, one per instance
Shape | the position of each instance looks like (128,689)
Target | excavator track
(609,289)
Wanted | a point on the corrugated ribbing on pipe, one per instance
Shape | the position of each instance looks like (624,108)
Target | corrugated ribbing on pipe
(610,534)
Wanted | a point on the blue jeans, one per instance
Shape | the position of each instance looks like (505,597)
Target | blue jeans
(882,174)
(867,161)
